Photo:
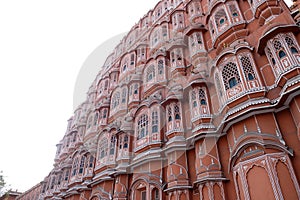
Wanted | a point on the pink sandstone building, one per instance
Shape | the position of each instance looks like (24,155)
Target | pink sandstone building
(200,100)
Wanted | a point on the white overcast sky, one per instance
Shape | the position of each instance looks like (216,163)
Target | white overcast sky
(43,46)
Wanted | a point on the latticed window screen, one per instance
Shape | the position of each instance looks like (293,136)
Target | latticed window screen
(130,90)
(177,111)
(289,41)
(156,194)
(112,145)
(202,96)
(91,161)
(90,121)
(116,100)
(96,119)
(277,45)
(103,148)
(82,161)
(220,17)
(154,122)
(120,142)
(247,67)
(211,27)
(143,126)
(198,38)
(160,67)
(164,31)
(202,148)
(194,98)
(132,59)
(136,89)
(170,118)
(270,55)
(218,83)
(150,73)
(292,46)
(125,145)
(59,179)
(229,73)
(124,95)
(75,166)
(233,10)
(67,172)
(53,182)
(104,113)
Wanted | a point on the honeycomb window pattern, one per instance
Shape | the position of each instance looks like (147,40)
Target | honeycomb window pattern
(230,71)
(247,67)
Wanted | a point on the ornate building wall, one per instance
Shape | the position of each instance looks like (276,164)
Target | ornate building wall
(199,101)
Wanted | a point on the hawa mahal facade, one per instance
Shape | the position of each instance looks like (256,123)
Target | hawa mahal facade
(200,100)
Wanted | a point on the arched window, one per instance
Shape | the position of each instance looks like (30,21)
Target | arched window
(218,85)
(250,77)
(222,20)
(106,85)
(74,137)
(142,126)
(196,42)
(91,161)
(173,56)
(230,75)
(194,99)
(233,10)
(202,97)
(155,38)
(90,121)
(135,89)
(52,183)
(180,20)
(177,112)
(112,145)
(155,194)
(212,30)
(124,67)
(75,167)
(120,142)
(270,56)
(279,48)
(150,73)
(96,119)
(170,118)
(103,148)
(116,100)
(220,17)
(160,67)
(125,145)
(247,67)
(104,113)
(132,59)
(293,50)
(290,42)
(124,95)
(67,172)
(164,31)
(199,38)
(81,167)
(281,54)
(59,179)
(154,122)
(201,148)
(232,82)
